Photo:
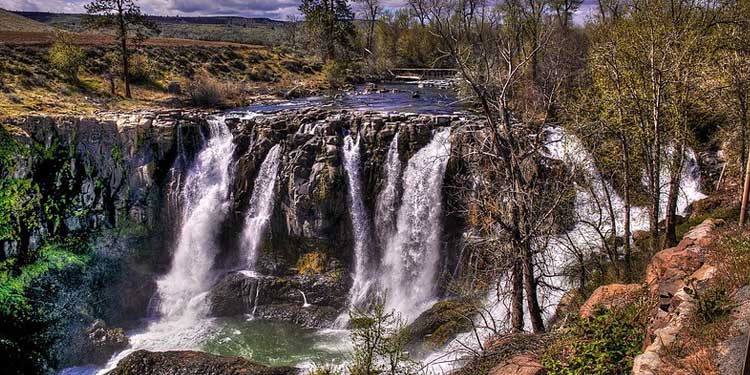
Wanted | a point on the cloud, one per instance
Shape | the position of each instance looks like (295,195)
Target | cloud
(248,8)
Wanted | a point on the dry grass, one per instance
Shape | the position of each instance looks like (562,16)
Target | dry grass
(13,22)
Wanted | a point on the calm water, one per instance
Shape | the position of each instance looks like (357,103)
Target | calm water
(278,344)
(397,97)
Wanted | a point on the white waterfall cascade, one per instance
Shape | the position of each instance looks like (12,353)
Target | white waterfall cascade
(588,206)
(261,207)
(360,223)
(182,291)
(386,205)
(410,263)
(206,202)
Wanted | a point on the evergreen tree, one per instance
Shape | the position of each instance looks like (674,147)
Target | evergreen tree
(329,25)
(127,20)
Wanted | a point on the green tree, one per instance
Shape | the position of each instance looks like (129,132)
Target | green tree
(329,25)
(379,338)
(66,57)
(127,20)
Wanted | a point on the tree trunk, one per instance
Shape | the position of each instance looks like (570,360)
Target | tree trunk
(674,191)
(125,57)
(626,219)
(745,192)
(530,285)
(516,302)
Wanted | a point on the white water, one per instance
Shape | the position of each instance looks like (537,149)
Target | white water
(360,224)
(206,202)
(388,199)
(590,208)
(261,207)
(182,291)
(410,262)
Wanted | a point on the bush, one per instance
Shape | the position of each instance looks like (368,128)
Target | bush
(66,57)
(205,91)
(379,339)
(334,73)
(604,343)
(140,67)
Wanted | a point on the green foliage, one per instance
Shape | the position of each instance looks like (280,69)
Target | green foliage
(379,339)
(330,24)
(334,73)
(14,283)
(66,57)
(604,343)
(712,303)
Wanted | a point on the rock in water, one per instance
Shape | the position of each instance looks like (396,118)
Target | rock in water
(102,341)
(192,363)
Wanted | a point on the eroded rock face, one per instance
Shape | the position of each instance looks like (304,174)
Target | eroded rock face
(665,277)
(192,363)
(280,298)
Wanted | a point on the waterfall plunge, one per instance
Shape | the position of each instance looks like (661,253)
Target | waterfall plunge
(261,207)
(205,198)
(411,257)
(387,203)
(360,223)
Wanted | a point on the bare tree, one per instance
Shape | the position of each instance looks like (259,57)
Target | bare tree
(514,193)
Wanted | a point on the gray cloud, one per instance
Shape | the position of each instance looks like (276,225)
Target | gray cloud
(276,9)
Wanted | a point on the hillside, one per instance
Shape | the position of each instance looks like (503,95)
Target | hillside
(10,21)
(224,29)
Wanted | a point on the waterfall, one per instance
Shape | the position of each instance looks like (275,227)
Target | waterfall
(205,198)
(387,202)
(588,209)
(410,262)
(360,224)
(261,206)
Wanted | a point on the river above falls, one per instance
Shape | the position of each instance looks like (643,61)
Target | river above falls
(416,97)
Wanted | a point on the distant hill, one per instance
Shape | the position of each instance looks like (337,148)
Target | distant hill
(10,21)
(220,28)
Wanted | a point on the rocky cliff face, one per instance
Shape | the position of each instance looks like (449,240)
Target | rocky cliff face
(122,171)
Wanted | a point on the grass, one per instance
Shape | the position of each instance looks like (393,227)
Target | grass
(29,85)
(10,21)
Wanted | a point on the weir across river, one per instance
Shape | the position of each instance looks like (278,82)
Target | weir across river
(417,74)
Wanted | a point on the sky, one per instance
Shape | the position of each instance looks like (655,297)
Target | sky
(275,9)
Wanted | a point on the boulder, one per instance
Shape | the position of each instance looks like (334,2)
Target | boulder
(520,364)
(441,323)
(102,342)
(609,296)
(192,363)
(279,298)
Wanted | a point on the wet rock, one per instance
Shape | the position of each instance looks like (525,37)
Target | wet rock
(102,342)
(306,316)
(441,323)
(280,298)
(192,363)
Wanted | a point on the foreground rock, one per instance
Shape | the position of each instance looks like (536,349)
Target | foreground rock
(102,342)
(311,301)
(609,296)
(441,323)
(192,363)
(666,278)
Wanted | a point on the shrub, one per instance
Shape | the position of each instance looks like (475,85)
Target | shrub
(205,91)
(334,73)
(66,57)
(312,263)
(140,67)
(379,339)
(712,303)
(604,343)
(731,254)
